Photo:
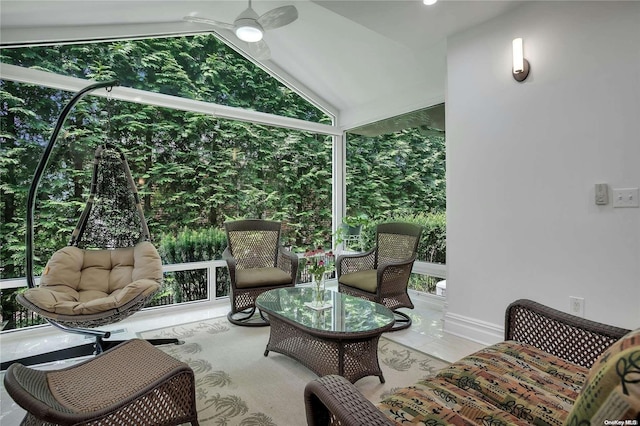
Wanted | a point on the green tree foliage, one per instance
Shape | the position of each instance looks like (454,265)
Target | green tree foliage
(433,241)
(398,173)
(431,248)
(193,246)
(193,171)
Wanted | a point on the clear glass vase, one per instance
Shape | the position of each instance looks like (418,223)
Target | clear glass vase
(318,286)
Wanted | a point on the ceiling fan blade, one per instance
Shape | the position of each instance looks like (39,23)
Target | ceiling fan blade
(258,50)
(278,17)
(208,21)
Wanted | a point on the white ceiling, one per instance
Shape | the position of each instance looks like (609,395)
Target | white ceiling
(362,60)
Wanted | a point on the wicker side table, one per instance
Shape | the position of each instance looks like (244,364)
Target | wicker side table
(131,384)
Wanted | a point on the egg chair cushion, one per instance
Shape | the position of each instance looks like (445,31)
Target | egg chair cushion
(81,282)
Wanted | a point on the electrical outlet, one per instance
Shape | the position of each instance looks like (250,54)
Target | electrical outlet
(576,306)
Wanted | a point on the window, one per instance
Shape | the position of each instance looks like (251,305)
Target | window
(396,172)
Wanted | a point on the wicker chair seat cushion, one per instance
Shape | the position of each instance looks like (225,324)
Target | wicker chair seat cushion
(612,389)
(261,277)
(78,282)
(364,280)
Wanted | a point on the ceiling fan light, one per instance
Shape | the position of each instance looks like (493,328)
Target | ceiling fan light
(248,30)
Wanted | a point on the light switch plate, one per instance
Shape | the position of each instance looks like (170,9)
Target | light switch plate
(626,197)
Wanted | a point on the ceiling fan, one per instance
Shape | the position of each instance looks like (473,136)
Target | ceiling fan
(250,28)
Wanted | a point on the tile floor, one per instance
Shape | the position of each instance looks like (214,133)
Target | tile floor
(425,334)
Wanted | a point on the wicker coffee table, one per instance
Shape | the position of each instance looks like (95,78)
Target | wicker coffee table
(341,339)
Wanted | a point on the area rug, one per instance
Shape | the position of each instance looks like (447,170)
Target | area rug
(236,385)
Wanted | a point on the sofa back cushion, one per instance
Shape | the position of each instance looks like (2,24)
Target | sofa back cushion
(612,390)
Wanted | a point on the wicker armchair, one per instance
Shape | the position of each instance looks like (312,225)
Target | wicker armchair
(257,263)
(382,273)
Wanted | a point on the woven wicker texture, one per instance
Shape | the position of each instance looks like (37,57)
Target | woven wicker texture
(394,247)
(255,244)
(559,333)
(132,384)
(330,400)
(254,249)
(113,215)
(35,382)
(393,258)
(350,350)
(350,356)
(361,262)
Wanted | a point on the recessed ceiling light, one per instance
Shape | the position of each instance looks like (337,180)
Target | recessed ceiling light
(429,2)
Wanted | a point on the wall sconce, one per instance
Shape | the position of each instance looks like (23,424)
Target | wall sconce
(520,64)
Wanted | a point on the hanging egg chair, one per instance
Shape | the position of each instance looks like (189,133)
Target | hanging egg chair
(109,270)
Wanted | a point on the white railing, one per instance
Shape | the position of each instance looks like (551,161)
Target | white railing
(421,268)
(438,270)
(209,265)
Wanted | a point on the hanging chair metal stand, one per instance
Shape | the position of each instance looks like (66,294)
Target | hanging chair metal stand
(99,344)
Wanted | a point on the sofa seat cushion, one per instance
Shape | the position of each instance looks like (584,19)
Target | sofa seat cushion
(434,401)
(530,384)
(261,277)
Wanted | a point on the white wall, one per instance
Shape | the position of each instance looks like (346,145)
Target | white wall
(523,158)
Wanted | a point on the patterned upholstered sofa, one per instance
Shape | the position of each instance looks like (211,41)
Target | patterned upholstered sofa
(552,369)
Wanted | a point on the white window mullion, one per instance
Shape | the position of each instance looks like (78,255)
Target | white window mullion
(339,169)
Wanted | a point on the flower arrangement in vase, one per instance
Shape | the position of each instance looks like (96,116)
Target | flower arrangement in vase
(319,262)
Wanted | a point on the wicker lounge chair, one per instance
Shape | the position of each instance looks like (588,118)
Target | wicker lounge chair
(382,273)
(257,263)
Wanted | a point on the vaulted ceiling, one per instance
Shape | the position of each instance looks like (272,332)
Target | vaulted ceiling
(360,60)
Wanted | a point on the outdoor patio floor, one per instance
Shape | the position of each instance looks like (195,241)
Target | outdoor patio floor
(425,334)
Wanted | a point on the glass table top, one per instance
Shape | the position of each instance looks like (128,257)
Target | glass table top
(347,314)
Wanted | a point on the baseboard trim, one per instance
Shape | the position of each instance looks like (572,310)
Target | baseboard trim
(473,329)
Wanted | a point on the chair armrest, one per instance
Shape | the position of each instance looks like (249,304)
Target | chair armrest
(393,279)
(399,264)
(333,400)
(569,337)
(288,261)
(347,263)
